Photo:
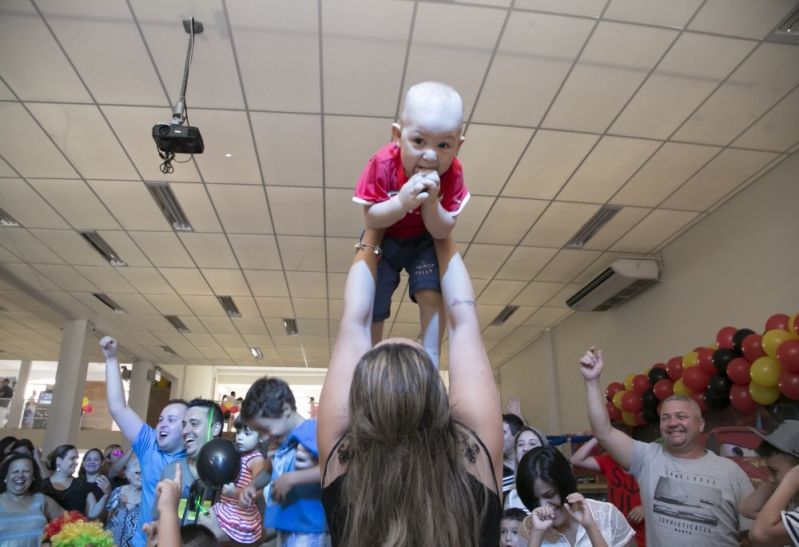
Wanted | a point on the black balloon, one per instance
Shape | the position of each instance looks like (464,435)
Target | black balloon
(738,338)
(651,415)
(722,357)
(656,375)
(650,400)
(717,395)
(218,463)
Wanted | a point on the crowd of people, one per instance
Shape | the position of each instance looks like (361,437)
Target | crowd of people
(391,457)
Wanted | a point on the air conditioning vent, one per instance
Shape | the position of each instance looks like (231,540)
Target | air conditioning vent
(101,246)
(179,325)
(787,31)
(105,299)
(503,316)
(624,279)
(170,207)
(229,306)
(290,325)
(6,219)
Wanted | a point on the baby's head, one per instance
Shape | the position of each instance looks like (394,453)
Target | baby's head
(429,131)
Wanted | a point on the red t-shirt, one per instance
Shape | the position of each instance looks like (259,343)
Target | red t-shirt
(384,175)
(622,492)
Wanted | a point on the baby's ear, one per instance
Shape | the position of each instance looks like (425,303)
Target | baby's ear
(396,132)
(460,143)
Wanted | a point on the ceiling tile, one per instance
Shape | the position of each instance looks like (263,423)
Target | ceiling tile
(312,327)
(133,303)
(559,223)
(654,229)
(125,248)
(146,280)
(226,282)
(77,203)
(310,308)
(340,253)
(196,204)
(187,281)
(525,262)
(663,173)
(489,154)
(546,317)
(66,277)
(106,278)
(70,246)
(534,55)
(653,12)
(589,8)
(484,260)
(566,265)
(687,75)
(752,89)
(740,17)
(85,137)
(26,147)
(349,143)
(497,228)
(266,283)
(548,163)
(163,249)
(470,219)
(302,253)
(609,165)
(209,250)
(287,203)
(307,284)
(447,38)
(131,204)
(219,327)
(289,147)
(255,252)
(242,209)
(263,32)
(613,64)
(500,292)
(777,130)
(274,306)
(619,225)
(364,45)
(39,280)
(226,132)
(97,35)
(537,293)
(722,175)
(249,325)
(168,304)
(202,304)
(26,206)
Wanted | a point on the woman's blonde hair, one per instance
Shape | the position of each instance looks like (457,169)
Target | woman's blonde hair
(406,484)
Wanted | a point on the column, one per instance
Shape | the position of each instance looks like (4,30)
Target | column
(18,400)
(139,394)
(63,419)
(553,418)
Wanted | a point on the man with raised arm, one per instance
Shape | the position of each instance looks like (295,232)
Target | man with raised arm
(155,448)
(690,495)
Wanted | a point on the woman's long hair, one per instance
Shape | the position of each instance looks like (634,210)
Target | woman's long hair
(82,470)
(406,484)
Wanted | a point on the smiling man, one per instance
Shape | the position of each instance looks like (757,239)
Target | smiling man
(689,494)
(155,448)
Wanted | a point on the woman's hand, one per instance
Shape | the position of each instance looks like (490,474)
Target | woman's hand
(542,518)
(104,484)
(579,510)
(636,515)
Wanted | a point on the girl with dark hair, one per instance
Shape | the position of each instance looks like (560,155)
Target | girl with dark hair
(525,440)
(91,471)
(72,493)
(560,515)
(23,514)
(404,463)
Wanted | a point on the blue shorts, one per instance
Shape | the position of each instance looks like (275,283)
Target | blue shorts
(417,256)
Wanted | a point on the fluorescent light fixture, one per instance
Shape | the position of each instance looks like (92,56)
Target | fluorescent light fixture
(291,326)
(504,315)
(101,246)
(105,299)
(179,325)
(257,353)
(592,226)
(6,219)
(229,306)
(169,350)
(169,205)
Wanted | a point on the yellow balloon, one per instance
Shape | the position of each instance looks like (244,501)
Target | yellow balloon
(681,389)
(617,399)
(84,401)
(690,359)
(763,395)
(628,381)
(772,340)
(628,418)
(765,372)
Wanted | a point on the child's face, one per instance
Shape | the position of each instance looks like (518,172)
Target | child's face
(273,427)
(246,439)
(428,140)
(779,465)
(509,533)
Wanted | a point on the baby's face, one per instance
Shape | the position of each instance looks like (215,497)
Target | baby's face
(428,140)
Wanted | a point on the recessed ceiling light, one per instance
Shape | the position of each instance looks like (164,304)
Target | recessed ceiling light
(228,155)
(257,353)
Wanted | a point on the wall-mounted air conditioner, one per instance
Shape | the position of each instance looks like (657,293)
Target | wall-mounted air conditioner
(622,280)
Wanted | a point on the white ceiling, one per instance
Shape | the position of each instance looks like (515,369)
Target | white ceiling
(666,108)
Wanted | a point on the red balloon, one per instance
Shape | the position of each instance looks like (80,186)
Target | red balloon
(741,400)
(87,409)
(699,397)
(724,337)
(613,389)
(640,383)
(789,384)
(788,354)
(613,413)
(674,368)
(738,371)
(695,379)
(777,321)
(752,347)
(639,418)
(664,389)
(234,409)
(631,402)
(706,361)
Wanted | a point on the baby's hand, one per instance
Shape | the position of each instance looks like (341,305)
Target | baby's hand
(304,459)
(434,190)
(414,192)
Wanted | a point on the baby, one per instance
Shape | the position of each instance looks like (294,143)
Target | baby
(413,187)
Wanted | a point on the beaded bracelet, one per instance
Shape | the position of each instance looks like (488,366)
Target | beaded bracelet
(375,248)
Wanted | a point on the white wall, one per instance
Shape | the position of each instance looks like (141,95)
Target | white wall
(737,267)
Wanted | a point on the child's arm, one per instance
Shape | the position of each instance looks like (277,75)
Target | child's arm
(438,221)
(248,494)
(583,457)
(413,193)
(283,485)
(768,528)
(751,505)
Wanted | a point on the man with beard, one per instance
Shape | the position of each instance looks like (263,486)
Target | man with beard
(155,448)
(690,495)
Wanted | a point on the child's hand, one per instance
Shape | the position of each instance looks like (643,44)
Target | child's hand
(414,192)
(247,496)
(304,459)
(435,189)
(168,492)
(636,515)
(229,490)
(109,347)
(283,485)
